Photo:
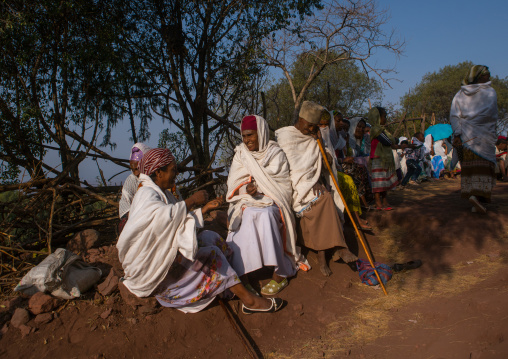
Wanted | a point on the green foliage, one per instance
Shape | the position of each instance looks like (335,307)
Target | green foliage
(174,141)
(342,86)
(9,173)
(435,92)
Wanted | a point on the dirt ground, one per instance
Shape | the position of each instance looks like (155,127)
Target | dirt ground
(454,306)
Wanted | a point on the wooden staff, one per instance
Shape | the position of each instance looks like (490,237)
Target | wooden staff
(359,234)
(252,352)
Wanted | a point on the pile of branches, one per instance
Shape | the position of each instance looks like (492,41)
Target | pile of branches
(40,215)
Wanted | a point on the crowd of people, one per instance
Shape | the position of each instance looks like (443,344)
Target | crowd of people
(283,202)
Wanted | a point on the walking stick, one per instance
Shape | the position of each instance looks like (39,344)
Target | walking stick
(360,234)
(252,352)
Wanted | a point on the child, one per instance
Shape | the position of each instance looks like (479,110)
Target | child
(413,156)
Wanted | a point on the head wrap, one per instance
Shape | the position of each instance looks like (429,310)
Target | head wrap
(311,112)
(502,138)
(474,74)
(249,123)
(137,151)
(155,159)
(401,139)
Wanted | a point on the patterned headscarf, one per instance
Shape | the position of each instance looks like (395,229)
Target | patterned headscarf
(474,74)
(153,160)
(138,150)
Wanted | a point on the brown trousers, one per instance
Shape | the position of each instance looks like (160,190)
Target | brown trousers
(320,227)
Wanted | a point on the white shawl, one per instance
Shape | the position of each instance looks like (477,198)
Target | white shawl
(473,117)
(158,228)
(305,160)
(337,142)
(269,168)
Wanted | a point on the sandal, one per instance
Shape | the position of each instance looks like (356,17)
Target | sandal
(273,287)
(366,227)
(397,267)
(384,208)
(276,305)
(251,289)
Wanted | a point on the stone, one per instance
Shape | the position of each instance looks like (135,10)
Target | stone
(83,241)
(110,284)
(20,317)
(133,301)
(42,303)
(298,307)
(147,310)
(106,313)
(43,318)
(25,330)
(132,321)
(12,303)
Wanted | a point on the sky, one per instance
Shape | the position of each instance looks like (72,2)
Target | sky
(437,34)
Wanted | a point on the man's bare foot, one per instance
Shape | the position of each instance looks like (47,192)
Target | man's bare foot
(344,254)
(323,266)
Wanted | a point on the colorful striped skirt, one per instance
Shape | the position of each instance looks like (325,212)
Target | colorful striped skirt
(383,179)
(478,175)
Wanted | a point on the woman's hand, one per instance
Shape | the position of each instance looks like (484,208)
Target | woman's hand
(197,199)
(213,204)
(252,189)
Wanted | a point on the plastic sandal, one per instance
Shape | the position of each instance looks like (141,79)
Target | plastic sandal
(276,305)
(273,287)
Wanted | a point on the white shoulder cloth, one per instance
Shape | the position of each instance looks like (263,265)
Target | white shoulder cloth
(158,228)
(473,117)
(305,164)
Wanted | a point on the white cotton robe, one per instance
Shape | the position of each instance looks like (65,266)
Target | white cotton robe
(262,227)
(305,164)
(158,228)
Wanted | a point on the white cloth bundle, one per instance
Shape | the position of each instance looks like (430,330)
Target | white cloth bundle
(305,164)
(158,228)
(473,117)
(270,170)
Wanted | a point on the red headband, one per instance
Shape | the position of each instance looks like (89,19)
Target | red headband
(249,123)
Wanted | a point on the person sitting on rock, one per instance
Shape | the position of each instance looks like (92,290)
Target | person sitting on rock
(319,210)
(261,222)
(163,257)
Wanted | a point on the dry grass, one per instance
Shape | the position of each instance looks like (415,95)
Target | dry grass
(370,319)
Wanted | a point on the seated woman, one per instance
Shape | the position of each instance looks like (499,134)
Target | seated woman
(161,254)
(346,182)
(130,185)
(261,222)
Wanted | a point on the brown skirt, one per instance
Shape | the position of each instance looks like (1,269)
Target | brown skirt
(320,228)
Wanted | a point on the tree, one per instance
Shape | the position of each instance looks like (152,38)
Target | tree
(200,58)
(343,30)
(435,92)
(59,73)
(342,85)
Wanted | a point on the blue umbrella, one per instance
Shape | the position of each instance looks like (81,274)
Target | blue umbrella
(439,131)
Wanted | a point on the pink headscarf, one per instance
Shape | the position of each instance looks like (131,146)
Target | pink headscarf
(153,160)
(138,150)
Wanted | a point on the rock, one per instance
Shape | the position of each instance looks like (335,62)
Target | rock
(25,330)
(20,317)
(133,301)
(291,323)
(109,285)
(106,313)
(298,307)
(147,310)
(42,303)
(83,241)
(12,303)
(132,321)
(43,318)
